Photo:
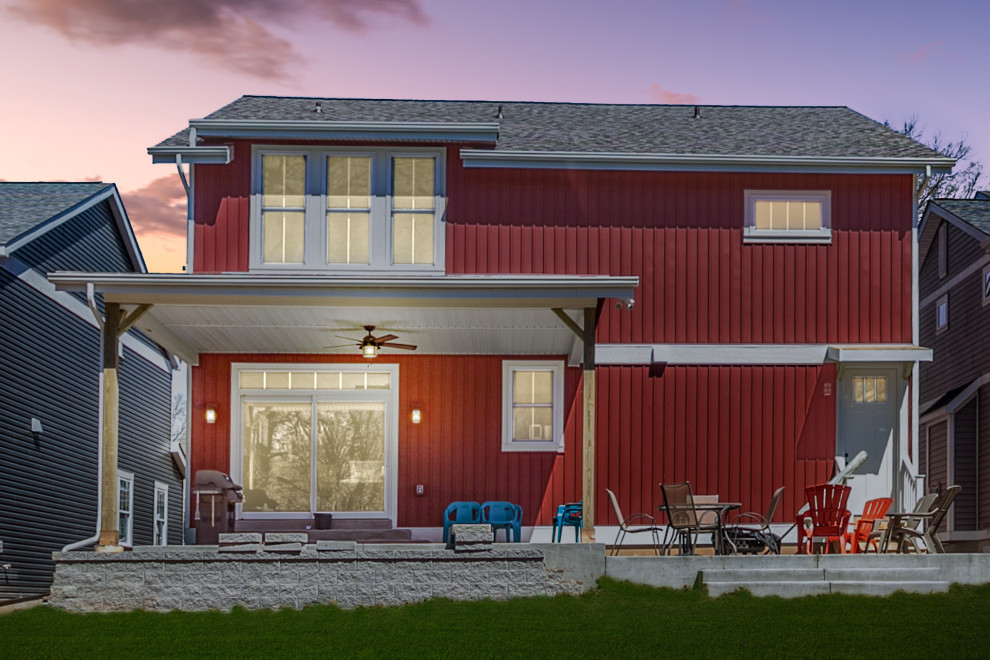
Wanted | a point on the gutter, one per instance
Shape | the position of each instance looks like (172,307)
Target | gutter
(701,162)
(347,130)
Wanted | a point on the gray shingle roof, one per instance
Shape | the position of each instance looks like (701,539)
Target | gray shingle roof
(976,212)
(24,206)
(636,129)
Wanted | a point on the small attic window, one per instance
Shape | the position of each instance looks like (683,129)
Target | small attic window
(788,216)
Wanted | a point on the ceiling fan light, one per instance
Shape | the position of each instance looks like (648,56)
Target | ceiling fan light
(369,351)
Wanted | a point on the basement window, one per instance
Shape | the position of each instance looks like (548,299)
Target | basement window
(784,216)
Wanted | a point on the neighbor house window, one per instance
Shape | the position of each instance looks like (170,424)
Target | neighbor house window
(331,210)
(777,216)
(986,285)
(870,389)
(533,406)
(125,507)
(942,313)
(161,514)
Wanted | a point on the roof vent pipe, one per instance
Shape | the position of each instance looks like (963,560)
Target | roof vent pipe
(499,115)
(319,108)
(697,112)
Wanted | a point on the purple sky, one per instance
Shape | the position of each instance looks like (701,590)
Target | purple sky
(90,84)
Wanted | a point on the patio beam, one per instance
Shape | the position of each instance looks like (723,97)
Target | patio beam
(109,540)
(588,425)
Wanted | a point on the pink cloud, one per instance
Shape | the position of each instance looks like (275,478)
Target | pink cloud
(158,209)
(926,52)
(660,95)
(233,34)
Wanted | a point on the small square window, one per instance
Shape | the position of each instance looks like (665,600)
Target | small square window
(532,405)
(942,313)
(784,216)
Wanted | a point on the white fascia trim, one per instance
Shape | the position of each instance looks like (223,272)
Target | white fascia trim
(348,130)
(975,267)
(70,303)
(127,231)
(61,218)
(178,456)
(699,162)
(901,353)
(753,354)
(959,400)
(191,155)
(245,288)
(942,214)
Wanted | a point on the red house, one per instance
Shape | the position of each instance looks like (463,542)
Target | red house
(600,296)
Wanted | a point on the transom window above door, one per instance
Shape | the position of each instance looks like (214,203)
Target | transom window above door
(342,211)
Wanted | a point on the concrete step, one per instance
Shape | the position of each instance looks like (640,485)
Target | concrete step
(879,574)
(798,589)
(307,524)
(762,575)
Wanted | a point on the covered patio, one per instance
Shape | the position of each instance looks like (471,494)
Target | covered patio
(291,320)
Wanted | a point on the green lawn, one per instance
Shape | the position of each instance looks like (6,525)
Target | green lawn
(619,620)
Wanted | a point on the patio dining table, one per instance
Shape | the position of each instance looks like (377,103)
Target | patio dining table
(719,539)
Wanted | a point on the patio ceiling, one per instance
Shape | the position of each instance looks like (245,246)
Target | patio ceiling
(461,314)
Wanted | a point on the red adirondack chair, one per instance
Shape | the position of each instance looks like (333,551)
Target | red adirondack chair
(861,530)
(826,517)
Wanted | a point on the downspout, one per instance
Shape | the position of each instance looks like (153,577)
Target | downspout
(190,225)
(91,299)
(915,338)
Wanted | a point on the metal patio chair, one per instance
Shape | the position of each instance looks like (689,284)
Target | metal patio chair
(684,520)
(754,535)
(624,527)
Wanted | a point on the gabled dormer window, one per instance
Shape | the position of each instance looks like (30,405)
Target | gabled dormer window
(341,211)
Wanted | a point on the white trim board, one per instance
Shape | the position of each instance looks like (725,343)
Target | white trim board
(747,354)
(958,278)
(73,305)
(958,401)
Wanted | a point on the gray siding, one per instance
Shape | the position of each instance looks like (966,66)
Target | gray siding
(88,242)
(964,465)
(49,364)
(983,461)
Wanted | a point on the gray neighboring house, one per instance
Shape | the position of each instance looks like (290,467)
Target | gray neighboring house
(954,283)
(50,398)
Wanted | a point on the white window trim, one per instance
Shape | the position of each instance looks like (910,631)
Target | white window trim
(159,488)
(315,229)
(986,285)
(391,396)
(944,300)
(508,368)
(126,540)
(753,235)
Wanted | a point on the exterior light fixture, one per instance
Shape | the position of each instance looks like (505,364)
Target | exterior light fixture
(369,350)
(417,416)
(211,415)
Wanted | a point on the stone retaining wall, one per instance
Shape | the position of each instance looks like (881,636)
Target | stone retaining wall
(283,571)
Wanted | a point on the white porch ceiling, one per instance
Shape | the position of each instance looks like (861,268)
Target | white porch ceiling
(309,329)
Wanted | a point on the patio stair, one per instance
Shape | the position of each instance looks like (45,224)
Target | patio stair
(793,582)
(359,530)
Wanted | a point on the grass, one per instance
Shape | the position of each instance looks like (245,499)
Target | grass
(619,620)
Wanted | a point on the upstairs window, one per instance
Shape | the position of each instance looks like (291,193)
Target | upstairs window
(780,216)
(942,313)
(329,210)
(986,285)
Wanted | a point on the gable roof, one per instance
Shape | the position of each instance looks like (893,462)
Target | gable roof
(31,209)
(523,127)
(972,216)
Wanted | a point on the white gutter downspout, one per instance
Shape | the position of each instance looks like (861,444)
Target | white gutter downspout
(915,337)
(190,224)
(91,299)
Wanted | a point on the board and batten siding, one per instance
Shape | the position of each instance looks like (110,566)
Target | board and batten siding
(737,431)
(681,233)
(50,366)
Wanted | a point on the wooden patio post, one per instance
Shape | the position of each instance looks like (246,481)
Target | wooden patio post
(588,425)
(109,537)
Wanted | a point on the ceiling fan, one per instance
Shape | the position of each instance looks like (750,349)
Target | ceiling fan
(370,345)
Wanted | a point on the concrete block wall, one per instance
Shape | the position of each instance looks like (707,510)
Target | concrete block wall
(283,573)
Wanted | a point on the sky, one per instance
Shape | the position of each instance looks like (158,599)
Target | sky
(89,85)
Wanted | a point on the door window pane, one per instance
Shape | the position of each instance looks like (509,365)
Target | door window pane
(350,456)
(277,449)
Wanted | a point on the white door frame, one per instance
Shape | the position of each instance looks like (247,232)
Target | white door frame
(390,397)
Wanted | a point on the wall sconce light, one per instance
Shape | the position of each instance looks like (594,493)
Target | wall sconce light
(417,416)
(36,430)
(211,415)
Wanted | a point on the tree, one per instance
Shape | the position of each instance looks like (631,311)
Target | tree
(179,417)
(964,179)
